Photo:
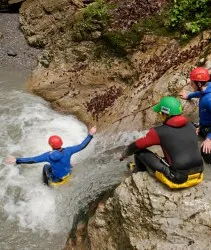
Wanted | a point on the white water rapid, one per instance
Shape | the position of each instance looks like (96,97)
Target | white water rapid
(32,215)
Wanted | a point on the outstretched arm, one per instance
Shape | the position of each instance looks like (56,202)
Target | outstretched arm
(150,139)
(85,142)
(185,96)
(196,94)
(27,160)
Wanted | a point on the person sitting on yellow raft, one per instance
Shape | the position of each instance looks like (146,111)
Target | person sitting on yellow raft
(182,165)
(59,169)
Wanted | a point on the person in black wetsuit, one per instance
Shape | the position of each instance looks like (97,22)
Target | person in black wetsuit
(182,165)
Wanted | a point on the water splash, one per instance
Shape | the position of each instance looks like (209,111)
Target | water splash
(31,211)
(25,132)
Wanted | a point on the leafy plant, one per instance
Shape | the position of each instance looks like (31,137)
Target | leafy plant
(190,16)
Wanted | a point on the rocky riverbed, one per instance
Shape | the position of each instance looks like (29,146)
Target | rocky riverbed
(14,50)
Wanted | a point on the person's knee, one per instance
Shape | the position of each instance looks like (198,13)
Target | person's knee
(150,170)
(143,152)
(142,155)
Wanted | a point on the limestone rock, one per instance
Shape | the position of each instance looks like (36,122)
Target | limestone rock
(41,21)
(83,83)
(115,93)
(144,214)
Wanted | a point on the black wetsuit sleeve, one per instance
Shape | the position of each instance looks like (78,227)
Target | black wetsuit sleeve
(150,139)
(131,149)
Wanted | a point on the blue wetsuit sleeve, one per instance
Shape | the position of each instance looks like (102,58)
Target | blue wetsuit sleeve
(35,159)
(209,109)
(81,146)
(208,136)
(196,94)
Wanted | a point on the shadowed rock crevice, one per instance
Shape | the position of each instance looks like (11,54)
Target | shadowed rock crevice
(10,6)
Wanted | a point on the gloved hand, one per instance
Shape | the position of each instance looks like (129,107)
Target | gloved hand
(122,158)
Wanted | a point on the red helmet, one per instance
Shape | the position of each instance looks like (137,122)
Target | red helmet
(199,75)
(55,141)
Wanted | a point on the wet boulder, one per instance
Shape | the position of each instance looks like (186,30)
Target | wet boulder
(145,214)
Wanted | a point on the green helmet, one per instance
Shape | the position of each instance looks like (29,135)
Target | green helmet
(168,105)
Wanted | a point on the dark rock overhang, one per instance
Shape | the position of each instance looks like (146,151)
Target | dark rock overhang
(11,6)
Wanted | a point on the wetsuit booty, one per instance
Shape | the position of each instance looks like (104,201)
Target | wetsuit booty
(131,167)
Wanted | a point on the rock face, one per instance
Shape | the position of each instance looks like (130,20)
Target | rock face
(115,94)
(45,22)
(144,214)
(77,75)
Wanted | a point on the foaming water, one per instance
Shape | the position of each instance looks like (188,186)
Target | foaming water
(36,216)
(25,132)
(32,210)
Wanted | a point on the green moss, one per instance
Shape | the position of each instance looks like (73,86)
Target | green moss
(124,41)
(121,41)
(92,22)
(156,25)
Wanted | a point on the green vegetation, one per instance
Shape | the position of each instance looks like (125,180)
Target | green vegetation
(122,41)
(92,22)
(190,17)
(181,19)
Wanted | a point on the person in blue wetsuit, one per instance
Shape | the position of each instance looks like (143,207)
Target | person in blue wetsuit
(59,166)
(201,84)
